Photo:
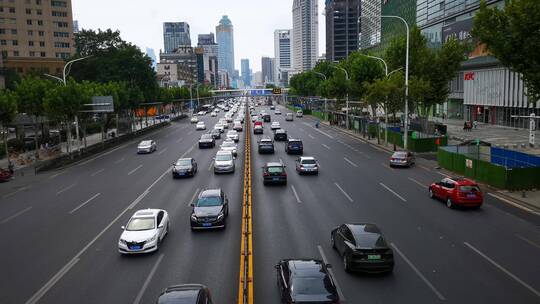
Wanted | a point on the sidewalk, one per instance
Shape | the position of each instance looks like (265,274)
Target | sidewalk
(525,200)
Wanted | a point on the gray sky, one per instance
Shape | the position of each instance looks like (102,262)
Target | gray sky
(141,21)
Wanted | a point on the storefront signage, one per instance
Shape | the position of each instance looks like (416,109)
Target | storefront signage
(468,76)
(460,30)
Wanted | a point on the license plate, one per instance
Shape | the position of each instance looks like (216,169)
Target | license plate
(374,257)
(135,247)
(207,224)
(471,195)
(275,178)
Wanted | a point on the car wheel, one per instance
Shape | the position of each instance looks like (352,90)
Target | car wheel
(332,241)
(346,264)
(449,203)
(431,193)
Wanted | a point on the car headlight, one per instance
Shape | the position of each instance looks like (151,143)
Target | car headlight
(153,238)
(194,217)
(220,216)
(122,241)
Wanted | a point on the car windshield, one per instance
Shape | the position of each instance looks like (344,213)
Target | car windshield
(275,169)
(145,143)
(211,201)
(206,136)
(228,144)
(469,189)
(141,223)
(223,157)
(399,155)
(308,162)
(183,162)
(310,286)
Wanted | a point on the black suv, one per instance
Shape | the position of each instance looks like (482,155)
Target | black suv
(207,141)
(187,293)
(266,145)
(267,118)
(280,135)
(210,210)
(274,173)
(294,146)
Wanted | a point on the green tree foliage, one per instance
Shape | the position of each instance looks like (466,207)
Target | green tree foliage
(113,60)
(305,84)
(361,70)
(512,35)
(8,110)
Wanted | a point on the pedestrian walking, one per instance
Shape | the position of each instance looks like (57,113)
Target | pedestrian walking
(475,124)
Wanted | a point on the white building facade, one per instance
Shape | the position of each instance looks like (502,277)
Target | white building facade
(305,35)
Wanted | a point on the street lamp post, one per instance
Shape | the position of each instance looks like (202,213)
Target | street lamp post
(406,135)
(64,81)
(347,98)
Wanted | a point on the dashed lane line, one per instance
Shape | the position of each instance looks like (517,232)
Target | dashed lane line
(296,194)
(393,192)
(84,203)
(66,189)
(148,279)
(133,171)
(344,193)
(15,215)
(350,162)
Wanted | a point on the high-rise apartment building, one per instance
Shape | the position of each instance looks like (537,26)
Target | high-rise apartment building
(305,46)
(175,34)
(179,67)
(267,70)
(36,35)
(342,28)
(209,58)
(370,28)
(283,56)
(246,72)
(392,28)
(225,40)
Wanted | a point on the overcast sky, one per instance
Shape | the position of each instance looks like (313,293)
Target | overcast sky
(141,21)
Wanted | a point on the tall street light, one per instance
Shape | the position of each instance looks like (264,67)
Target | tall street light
(406,136)
(347,100)
(64,81)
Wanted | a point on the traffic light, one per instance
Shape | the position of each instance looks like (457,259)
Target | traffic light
(276,91)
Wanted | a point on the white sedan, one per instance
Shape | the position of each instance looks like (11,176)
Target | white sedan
(194,119)
(144,231)
(200,126)
(275,125)
(233,135)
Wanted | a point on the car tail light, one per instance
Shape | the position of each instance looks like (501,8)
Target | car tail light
(266,174)
(284,174)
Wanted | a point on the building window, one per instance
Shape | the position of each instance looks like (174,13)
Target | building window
(58,44)
(43,54)
(39,12)
(1,9)
(3,42)
(15,53)
(13,31)
(2,31)
(41,33)
(30,33)
(42,43)
(28,11)
(40,22)
(59,14)
(29,21)
(61,34)
(15,42)
(30,43)
(32,54)
(12,10)
(59,3)
(60,24)
(62,55)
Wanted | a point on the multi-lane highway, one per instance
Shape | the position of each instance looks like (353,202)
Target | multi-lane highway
(60,232)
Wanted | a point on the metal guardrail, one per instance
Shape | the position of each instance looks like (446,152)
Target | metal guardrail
(245,286)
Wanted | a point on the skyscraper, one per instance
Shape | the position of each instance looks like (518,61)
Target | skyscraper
(267,70)
(246,72)
(175,34)
(342,28)
(225,39)
(210,58)
(370,28)
(283,55)
(305,34)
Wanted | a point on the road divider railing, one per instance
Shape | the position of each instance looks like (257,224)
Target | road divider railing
(245,284)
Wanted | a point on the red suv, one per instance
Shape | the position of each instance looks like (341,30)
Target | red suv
(457,192)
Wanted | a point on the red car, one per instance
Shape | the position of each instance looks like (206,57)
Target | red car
(258,123)
(5,175)
(457,192)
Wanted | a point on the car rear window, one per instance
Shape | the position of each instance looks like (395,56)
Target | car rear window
(311,286)
(308,162)
(469,188)
(295,143)
(275,169)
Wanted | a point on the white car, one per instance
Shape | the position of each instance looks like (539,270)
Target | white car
(224,162)
(233,135)
(144,231)
(289,117)
(219,127)
(275,125)
(299,113)
(229,145)
(146,146)
(194,119)
(213,114)
(277,112)
(200,126)
(201,113)
(237,127)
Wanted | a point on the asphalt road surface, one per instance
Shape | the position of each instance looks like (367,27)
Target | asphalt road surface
(60,233)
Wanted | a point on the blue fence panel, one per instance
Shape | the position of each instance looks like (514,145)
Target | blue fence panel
(513,159)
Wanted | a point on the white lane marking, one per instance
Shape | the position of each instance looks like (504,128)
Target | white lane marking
(37,296)
(311,136)
(296,194)
(211,165)
(528,241)
(350,162)
(327,147)
(340,293)
(66,189)
(55,175)
(120,160)
(148,279)
(344,193)
(45,288)
(417,182)
(97,172)
(15,215)
(529,287)
(324,133)
(193,197)
(104,154)
(514,204)
(393,192)
(179,140)
(133,171)
(428,283)
(86,202)
(382,150)
(424,167)
(440,173)
(188,151)
(138,199)
(163,151)
(15,192)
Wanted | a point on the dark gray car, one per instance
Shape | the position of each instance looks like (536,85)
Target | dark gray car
(210,210)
